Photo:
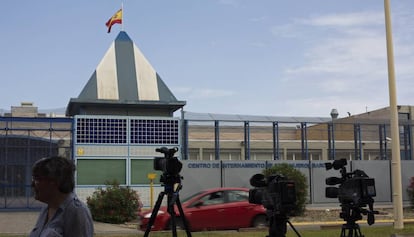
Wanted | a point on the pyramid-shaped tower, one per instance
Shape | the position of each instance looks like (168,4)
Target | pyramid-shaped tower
(124,83)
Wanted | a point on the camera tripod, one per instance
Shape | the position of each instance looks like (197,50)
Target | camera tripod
(171,189)
(353,230)
(278,225)
(351,215)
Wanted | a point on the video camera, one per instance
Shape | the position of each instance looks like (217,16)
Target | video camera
(355,191)
(169,165)
(171,179)
(275,193)
(278,195)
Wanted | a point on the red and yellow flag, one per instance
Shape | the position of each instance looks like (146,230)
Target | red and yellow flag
(115,19)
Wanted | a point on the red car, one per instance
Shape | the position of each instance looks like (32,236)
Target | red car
(212,209)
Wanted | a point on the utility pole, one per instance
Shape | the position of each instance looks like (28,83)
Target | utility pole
(395,136)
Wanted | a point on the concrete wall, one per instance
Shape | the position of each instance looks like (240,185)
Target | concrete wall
(199,175)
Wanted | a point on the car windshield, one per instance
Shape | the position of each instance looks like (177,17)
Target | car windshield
(191,196)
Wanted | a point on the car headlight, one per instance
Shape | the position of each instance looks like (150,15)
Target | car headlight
(148,215)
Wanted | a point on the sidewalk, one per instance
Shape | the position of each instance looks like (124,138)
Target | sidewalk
(21,223)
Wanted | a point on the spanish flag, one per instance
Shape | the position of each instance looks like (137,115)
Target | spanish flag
(115,19)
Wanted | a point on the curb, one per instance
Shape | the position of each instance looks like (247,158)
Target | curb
(334,224)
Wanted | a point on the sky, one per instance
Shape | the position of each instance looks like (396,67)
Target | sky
(262,57)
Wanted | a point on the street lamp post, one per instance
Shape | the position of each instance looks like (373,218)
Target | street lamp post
(334,115)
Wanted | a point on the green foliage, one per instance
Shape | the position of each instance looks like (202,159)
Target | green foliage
(410,191)
(295,175)
(114,204)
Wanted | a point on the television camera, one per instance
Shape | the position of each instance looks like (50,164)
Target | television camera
(355,191)
(169,165)
(171,180)
(278,195)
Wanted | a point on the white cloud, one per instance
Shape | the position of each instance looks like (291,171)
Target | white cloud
(355,19)
(344,64)
(348,56)
(202,93)
(352,45)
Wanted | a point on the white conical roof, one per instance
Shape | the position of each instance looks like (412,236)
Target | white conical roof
(124,77)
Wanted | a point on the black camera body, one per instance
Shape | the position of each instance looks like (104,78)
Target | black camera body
(358,190)
(355,188)
(276,193)
(355,191)
(169,165)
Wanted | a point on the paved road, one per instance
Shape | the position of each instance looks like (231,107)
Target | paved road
(23,222)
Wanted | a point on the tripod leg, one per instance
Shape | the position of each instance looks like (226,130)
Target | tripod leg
(183,218)
(170,208)
(293,228)
(343,232)
(353,230)
(277,226)
(358,231)
(154,213)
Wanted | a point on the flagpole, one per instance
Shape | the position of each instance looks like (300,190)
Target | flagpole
(122,10)
(395,142)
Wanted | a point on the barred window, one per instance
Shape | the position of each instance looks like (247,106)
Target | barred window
(101,130)
(156,131)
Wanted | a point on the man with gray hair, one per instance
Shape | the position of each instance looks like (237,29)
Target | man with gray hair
(64,215)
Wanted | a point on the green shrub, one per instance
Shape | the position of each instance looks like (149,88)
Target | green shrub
(301,185)
(114,204)
(411,192)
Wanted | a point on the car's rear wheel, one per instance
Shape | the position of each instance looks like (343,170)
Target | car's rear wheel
(260,221)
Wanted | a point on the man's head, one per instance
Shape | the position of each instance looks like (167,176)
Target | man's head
(52,173)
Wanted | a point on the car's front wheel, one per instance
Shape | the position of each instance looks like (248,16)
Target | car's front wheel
(260,221)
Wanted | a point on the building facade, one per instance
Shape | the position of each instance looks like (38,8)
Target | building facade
(122,148)
(126,111)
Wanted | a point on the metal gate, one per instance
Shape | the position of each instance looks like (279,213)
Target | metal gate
(22,142)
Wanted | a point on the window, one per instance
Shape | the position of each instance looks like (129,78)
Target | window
(101,130)
(154,131)
(213,198)
(115,131)
(238,196)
